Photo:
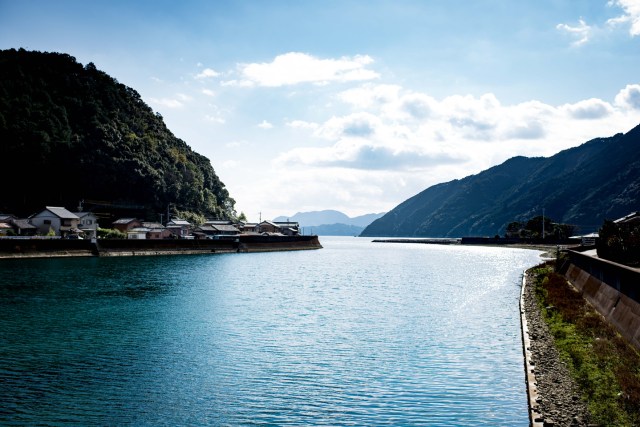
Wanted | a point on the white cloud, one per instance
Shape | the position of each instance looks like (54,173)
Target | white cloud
(629,97)
(451,138)
(295,68)
(631,15)
(207,73)
(208,92)
(589,109)
(265,125)
(580,32)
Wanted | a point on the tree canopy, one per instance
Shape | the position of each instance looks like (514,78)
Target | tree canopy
(70,132)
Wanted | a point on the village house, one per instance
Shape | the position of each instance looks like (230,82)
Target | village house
(248,227)
(126,224)
(88,224)
(286,228)
(10,226)
(214,229)
(137,233)
(57,220)
(179,228)
(156,230)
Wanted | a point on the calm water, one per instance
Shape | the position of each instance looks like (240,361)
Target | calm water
(357,333)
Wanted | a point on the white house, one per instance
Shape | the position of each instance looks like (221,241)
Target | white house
(58,219)
(88,224)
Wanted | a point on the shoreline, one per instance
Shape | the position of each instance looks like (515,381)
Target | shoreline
(46,248)
(553,396)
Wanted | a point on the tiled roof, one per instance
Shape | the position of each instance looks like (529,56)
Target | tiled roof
(23,224)
(61,212)
(124,220)
(152,225)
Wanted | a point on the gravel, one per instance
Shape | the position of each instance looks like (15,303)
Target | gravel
(559,399)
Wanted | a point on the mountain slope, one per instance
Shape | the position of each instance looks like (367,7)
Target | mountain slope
(583,186)
(69,132)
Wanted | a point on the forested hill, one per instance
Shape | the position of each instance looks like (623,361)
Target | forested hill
(582,186)
(70,132)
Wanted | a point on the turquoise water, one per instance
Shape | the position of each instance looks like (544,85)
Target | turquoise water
(357,333)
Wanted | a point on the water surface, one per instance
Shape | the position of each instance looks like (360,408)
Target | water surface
(357,333)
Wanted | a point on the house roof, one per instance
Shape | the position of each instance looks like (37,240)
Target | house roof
(218,222)
(153,225)
(124,220)
(290,224)
(81,214)
(221,227)
(138,230)
(178,222)
(23,224)
(270,223)
(627,218)
(61,212)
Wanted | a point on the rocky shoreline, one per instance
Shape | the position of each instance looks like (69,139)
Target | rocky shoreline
(558,399)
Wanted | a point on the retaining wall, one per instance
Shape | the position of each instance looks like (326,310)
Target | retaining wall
(613,289)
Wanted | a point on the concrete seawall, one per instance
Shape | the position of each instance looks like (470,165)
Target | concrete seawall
(613,289)
(50,248)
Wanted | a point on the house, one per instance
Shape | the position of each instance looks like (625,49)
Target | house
(179,228)
(126,224)
(88,224)
(248,227)
(156,230)
(22,227)
(268,227)
(209,231)
(137,233)
(288,228)
(57,220)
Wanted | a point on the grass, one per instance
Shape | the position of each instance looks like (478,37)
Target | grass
(605,366)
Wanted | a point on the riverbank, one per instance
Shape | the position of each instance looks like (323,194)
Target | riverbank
(54,248)
(556,399)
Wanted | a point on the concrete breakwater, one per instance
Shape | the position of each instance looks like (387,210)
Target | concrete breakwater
(613,289)
(39,248)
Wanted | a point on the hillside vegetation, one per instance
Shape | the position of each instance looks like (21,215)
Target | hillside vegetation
(581,186)
(70,132)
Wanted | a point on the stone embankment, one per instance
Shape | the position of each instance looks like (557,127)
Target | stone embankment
(49,248)
(556,398)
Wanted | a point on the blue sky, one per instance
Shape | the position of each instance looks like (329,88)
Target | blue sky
(356,105)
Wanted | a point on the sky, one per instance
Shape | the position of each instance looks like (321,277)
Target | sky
(356,105)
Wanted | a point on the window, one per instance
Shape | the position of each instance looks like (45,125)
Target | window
(47,222)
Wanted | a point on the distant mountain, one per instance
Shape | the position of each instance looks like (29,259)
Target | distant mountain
(334,230)
(70,132)
(582,186)
(331,222)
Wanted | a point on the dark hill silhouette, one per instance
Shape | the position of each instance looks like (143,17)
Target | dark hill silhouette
(582,186)
(70,132)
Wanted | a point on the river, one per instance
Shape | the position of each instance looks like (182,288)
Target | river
(357,333)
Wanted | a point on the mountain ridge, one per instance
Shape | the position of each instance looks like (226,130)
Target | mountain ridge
(583,185)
